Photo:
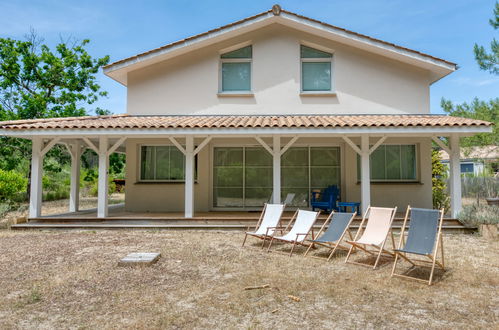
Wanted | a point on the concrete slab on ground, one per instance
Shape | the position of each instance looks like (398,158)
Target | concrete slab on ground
(140,258)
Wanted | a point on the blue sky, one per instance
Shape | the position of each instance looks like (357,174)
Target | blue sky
(443,28)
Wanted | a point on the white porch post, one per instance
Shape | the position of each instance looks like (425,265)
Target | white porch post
(35,198)
(455,175)
(74,190)
(365,180)
(102,199)
(276,169)
(189,177)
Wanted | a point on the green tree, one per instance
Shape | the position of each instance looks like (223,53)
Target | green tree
(477,109)
(490,61)
(38,82)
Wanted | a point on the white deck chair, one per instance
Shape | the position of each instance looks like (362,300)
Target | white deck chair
(269,221)
(304,220)
(374,235)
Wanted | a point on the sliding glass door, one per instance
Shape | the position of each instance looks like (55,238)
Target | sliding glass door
(242,176)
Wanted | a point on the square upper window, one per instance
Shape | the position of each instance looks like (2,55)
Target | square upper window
(236,70)
(315,70)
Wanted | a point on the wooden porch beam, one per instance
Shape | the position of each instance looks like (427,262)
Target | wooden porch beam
(289,144)
(91,145)
(441,144)
(178,145)
(265,145)
(116,145)
(351,144)
(202,145)
(49,145)
(377,144)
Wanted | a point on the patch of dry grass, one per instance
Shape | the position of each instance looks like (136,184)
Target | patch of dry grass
(70,279)
(57,207)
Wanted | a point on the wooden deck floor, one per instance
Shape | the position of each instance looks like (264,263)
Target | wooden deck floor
(118,218)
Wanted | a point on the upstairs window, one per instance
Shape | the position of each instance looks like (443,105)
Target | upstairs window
(315,70)
(236,70)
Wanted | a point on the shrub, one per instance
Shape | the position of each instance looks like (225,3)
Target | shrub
(11,184)
(439,190)
(475,214)
(94,188)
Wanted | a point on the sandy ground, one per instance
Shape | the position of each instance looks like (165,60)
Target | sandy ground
(70,279)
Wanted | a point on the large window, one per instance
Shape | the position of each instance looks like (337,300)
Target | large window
(315,70)
(162,163)
(392,163)
(236,70)
(242,176)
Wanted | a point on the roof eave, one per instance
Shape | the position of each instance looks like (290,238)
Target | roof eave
(309,131)
(438,67)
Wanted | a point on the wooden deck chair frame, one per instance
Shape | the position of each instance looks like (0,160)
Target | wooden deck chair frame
(295,242)
(418,262)
(262,237)
(378,251)
(333,245)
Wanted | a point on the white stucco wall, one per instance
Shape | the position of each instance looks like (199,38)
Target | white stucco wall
(364,83)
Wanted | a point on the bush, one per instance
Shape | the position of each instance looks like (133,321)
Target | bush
(11,184)
(475,214)
(439,190)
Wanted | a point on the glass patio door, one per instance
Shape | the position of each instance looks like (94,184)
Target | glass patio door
(242,176)
(305,169)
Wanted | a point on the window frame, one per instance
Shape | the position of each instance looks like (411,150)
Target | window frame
(221,61)
(331,90)
(416,164)
(139,174)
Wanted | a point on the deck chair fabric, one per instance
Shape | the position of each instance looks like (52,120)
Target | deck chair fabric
(378,225)
(424,238)
(339,223)
(269,221)
(337,228)
(303,223)
(375,234)
(422,231)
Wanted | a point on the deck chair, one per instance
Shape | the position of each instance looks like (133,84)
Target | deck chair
(287,201)
(302,226)
(424,238)
(269,221)
(374,235)
(332,238)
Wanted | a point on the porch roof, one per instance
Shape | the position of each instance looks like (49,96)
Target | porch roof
(229,124)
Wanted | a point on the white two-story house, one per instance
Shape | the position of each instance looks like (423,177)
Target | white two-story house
(273,104)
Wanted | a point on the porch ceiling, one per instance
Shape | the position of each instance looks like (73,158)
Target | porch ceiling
(232,124)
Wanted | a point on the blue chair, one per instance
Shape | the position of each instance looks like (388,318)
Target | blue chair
(326,199)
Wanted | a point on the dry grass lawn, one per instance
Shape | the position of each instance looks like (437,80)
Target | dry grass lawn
(70,279)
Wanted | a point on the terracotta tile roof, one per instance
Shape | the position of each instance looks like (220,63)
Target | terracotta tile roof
(186,40)
(232,121)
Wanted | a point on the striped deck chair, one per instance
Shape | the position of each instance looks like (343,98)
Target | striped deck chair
(269,221)
(424,238)
(302,227)
(336,231)
(373,239)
